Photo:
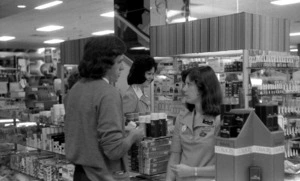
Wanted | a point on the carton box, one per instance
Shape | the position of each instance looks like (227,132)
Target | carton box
(254,146)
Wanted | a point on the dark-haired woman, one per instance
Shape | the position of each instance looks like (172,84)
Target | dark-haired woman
(140,76)
(192,151)
(94,125)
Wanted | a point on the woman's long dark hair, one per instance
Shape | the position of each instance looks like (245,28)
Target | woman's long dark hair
(209,87)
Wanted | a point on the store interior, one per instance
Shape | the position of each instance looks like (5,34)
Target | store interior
(252,45)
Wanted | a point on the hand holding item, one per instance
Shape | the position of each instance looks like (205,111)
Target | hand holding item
(131,125)
(182,170)
(138,133)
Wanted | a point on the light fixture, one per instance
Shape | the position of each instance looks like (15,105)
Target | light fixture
(48,5)
(6,38)
(172,13)
(181,20)
(295,34)
(110,14)
(21,6)
(104,32)
(8,120)
(54,41)
(139,48)
(285,2)
(50,28)
(294,50)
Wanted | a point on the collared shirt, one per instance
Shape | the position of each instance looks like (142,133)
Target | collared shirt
(195,141)
(106,80)
(138,91)
(134,100)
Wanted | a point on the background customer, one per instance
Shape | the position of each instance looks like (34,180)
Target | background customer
(140,76)
(94,124)
(192,151)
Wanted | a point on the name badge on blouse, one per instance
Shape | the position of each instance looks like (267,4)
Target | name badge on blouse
(183,128)
(203,134)
(208,122)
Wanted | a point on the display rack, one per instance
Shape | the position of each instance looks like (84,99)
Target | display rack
(255,147)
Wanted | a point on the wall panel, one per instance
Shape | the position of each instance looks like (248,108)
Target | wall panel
(230,32)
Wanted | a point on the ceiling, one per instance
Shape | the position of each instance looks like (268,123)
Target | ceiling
(82,17)
(79,17)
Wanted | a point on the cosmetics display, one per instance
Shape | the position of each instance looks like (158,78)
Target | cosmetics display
(255,152)
(154,155)
(155,143)
(42,165)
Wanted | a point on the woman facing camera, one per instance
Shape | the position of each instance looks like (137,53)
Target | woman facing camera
(192,151)
(140,76)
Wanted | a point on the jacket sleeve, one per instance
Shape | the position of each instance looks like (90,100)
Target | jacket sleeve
(130,102)
(110,126)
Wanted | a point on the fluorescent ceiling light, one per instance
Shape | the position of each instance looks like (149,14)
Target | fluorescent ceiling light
(295,34)
(54,41)
(181,20)
(104,32)
(294,50)
(21,6)
(50,28)
(172,13)
(8,120)
(285,2)
(48,5)
(139,48)
(110,14)
(6,38)
(41,50)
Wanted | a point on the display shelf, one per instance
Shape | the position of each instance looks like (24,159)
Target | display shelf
(40,149)
(280,68)
(233,72)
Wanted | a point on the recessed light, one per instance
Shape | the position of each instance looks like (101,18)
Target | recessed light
(6,38)
(295,34)
(110,14)
(285,2)
(48,5)
(54,41)
(293,50)
(50,28)
(21,6)
(104,32)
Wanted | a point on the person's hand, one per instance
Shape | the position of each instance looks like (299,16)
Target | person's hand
(138,133)
(182,170)
(131,125)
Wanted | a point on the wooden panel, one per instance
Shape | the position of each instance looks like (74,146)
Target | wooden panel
(255,32)
(231,32)
(204,35)
(275,36)
(248,31)
(222,33)
(287,36)
(214,34)
(263,33)
(153,41)
(281,35)
(188,40)
(228,33)
(180,38)
(172,39)
(196,36)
